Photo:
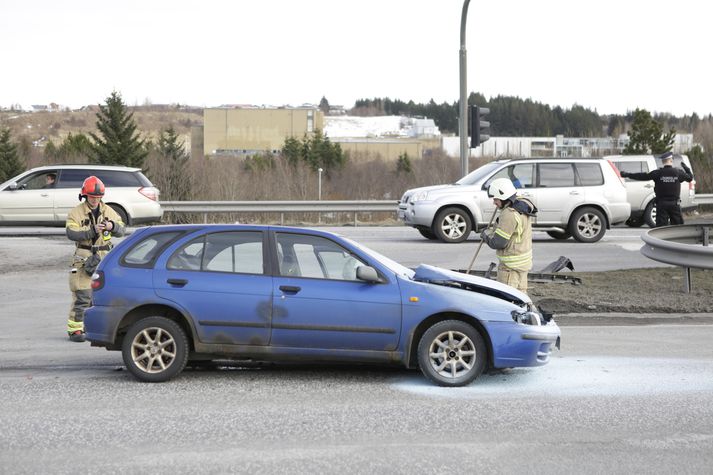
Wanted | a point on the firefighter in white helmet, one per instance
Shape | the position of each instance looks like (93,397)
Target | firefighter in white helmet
(512,238)
(91,225)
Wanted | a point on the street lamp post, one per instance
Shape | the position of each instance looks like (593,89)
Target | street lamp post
(463,122)
(319,184)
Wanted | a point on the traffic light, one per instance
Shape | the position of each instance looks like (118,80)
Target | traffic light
(478,127)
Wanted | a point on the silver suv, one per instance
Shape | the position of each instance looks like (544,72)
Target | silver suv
(29,198)
(576,197)
(641,193)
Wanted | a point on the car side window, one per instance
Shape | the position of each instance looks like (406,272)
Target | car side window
(235,252)
(555,175)
(520,174)
(315,257)
(72,178)
(36,181)
(145,252)
(590,174)
(632,167)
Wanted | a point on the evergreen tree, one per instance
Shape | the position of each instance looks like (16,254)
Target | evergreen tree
(317,151)
(647,136)
(176,185)
(324,105)
(10,164)
(118,143)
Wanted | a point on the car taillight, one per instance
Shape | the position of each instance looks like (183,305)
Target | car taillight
(149,192)
(98,280)
(692,186)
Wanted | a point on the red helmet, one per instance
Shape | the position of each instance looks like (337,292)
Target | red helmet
(92,186)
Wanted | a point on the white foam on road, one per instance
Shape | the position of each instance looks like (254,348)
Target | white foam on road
(581,376)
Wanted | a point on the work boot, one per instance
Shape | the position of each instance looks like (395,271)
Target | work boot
(77,336)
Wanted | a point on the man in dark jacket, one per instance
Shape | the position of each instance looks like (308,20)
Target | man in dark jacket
(667,187)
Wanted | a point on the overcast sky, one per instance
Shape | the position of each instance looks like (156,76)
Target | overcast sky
(608,55)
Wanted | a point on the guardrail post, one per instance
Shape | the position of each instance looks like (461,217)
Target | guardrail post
(706,235)
(205,218)
(687,280)
(282,219)
(355,219)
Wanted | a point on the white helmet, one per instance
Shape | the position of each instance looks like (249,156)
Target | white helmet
(502,189)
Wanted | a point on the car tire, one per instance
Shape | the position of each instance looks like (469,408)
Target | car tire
(559,235)
(427,233)
(122,214)
(650,214)
(587,225)
(452,225)
(452,353)
(155,349)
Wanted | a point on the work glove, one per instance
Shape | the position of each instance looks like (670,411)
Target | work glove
(484,236)
(685,168)
(624,174)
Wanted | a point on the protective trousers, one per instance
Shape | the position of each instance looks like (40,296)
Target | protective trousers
(513,278)
(668,211)
(80,284)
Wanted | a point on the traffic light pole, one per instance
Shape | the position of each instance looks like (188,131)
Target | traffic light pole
(463,122)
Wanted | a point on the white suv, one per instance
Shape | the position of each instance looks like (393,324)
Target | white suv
(577,197)
(641,193)
(28,199)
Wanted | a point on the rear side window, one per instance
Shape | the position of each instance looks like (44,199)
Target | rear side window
(73,178)
(556,175)
(142,179)
(236,252)
(632,167)
(590,174)
(145,252)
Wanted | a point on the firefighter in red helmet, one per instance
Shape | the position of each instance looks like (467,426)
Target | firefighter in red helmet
(91,224)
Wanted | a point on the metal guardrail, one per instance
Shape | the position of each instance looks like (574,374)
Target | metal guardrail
(685,245)
(703,199)
(282,207)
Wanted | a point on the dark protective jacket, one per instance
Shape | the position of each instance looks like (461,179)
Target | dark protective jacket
(667,181)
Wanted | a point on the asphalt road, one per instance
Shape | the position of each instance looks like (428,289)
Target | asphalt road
(635,399)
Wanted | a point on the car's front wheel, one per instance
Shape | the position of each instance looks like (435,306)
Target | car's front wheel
(587,225)
(452,353)
(155,349)
(452,225)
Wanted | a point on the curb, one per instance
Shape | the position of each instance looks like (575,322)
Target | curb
(620,319)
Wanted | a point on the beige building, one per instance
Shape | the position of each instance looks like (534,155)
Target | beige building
(242,131)
(387,149)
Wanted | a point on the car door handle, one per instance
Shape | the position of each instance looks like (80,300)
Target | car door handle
(44,195)
(290,289)
(573,192)
(178,282)
(649,185)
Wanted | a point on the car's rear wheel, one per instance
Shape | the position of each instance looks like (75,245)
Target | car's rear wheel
(427,233)
(122,214)
(452,225)
(587,225)
(559,234)
(452,353)
(650,214)
(155,349)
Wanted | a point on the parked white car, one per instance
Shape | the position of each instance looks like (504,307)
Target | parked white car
(576,197)
(641,193)
(27,199)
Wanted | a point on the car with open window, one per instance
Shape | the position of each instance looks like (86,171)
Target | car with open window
(575,197)
(640,194)
(167,296)
(45,195)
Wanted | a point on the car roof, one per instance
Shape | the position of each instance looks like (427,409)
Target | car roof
(87,167)
(236,227)
(564,159)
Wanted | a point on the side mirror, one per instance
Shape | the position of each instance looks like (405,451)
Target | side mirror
(12,186)
(368,274)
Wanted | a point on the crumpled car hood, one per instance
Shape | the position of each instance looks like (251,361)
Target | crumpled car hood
(440,276)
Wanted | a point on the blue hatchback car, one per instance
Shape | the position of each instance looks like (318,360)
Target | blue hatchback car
(170,295)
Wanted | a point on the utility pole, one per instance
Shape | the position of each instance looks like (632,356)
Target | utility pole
(463,119)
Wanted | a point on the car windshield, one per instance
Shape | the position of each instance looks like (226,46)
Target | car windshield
(392,265)
(478,174)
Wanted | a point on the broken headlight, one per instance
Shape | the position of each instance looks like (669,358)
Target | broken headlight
(527,317)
